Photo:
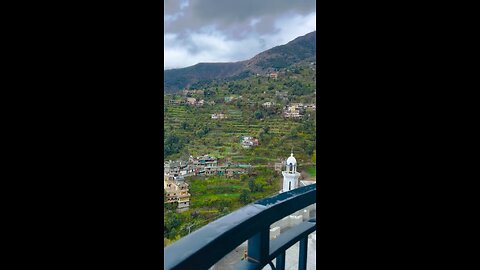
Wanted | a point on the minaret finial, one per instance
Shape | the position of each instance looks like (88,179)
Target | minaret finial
(291,152)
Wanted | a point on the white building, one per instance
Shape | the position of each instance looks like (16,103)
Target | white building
(290,175)
(268,104)
(218,116)
(248,142)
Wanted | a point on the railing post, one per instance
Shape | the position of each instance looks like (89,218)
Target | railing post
(259,245)
(280,265)
(302,258)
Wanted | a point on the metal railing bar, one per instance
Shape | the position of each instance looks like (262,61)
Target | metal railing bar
(246,265)
(302,254)
(281,261)
(258,246)
(206,246)
(279,246)
(290,237)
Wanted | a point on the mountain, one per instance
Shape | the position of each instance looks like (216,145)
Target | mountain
(299,50)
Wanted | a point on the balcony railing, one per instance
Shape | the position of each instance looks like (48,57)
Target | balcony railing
(206,246)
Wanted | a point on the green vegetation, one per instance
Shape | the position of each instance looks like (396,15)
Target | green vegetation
(214,197)
(312,171)
(190,130)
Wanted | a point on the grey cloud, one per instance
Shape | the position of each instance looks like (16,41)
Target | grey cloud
(232,21)
(233,16)
(229,11)
(171,6)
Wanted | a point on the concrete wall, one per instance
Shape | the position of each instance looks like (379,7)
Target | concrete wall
(274,232)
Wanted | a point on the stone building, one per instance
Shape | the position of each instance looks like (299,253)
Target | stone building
(177,191)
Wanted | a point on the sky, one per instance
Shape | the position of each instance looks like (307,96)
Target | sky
(205,31)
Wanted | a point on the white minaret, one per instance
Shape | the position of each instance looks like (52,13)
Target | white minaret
(290,175)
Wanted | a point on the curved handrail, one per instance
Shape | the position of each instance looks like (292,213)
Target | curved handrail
(206,246)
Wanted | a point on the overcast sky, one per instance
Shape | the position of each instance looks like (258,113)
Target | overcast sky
(231,30)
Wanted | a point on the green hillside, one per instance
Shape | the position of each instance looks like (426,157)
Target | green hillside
(190,130)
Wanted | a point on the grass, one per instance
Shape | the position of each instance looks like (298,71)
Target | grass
(312,171)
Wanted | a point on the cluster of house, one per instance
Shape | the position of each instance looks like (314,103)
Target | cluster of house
(176,188)
(273,75)
(248,142)
(218,116)
(231,98)
(194,102)
(202,165)
(296,110)
(268,104)
(187,92)
(188,101)
(175,172)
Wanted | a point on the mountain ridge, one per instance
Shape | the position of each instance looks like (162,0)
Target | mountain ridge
(302,48)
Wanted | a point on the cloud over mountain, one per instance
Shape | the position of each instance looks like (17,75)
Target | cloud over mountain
(224,31)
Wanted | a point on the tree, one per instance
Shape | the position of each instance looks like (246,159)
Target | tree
(172,233)
(266,129)
(245,196)
(251,185)
(258,114)
(171,206)
(238,104)
(172,144)
(309,149)
(171,222)
(261,134)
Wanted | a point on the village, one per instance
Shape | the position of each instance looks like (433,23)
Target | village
(175,173)
(293,110)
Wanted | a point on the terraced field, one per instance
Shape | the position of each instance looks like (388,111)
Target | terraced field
(223,138)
